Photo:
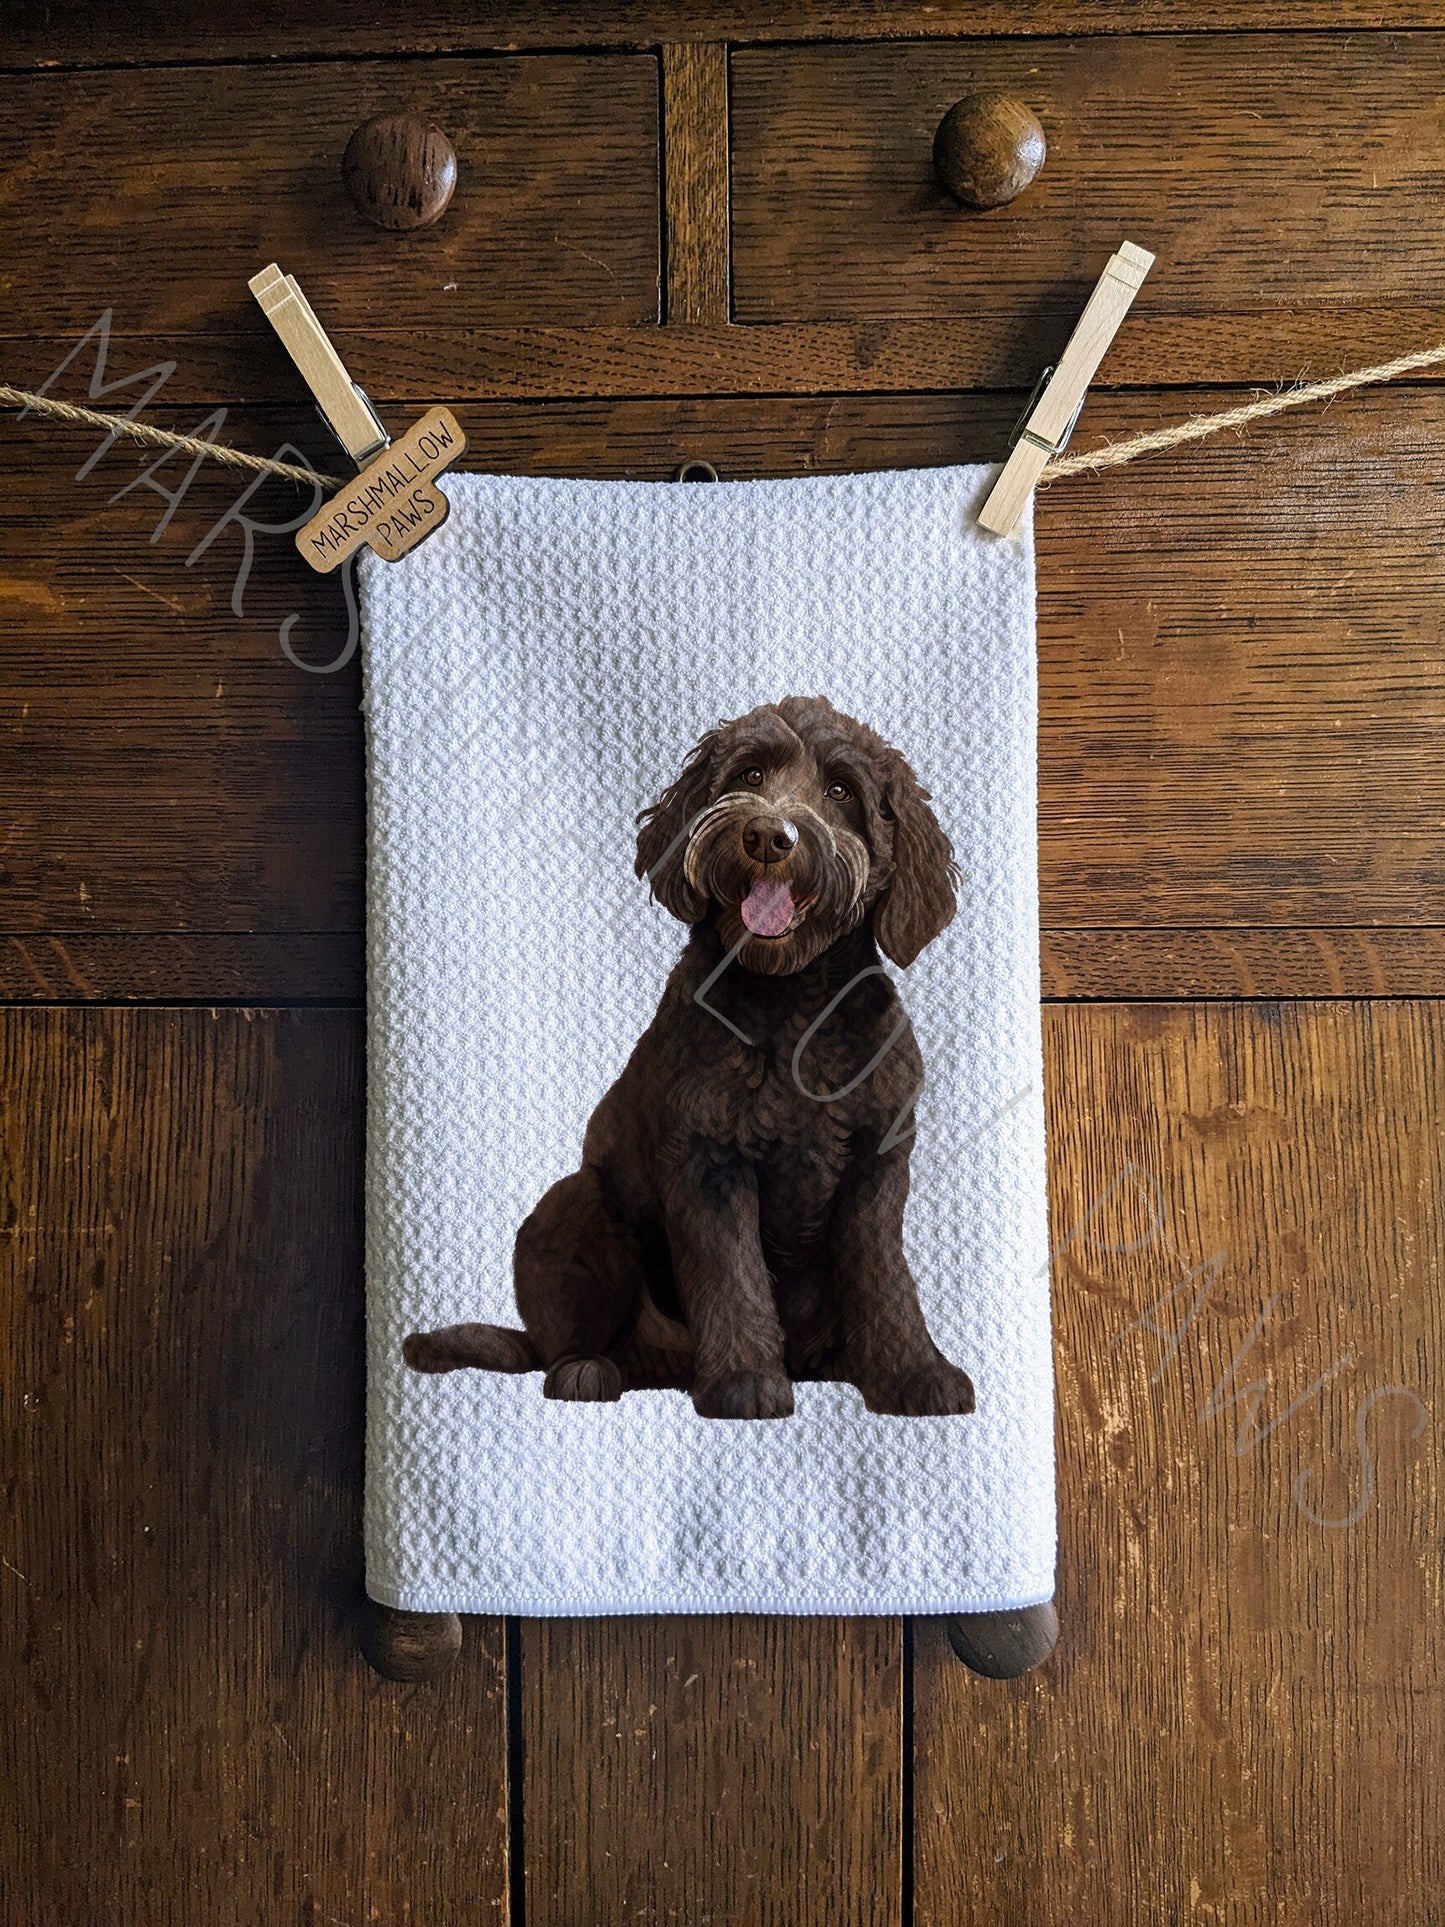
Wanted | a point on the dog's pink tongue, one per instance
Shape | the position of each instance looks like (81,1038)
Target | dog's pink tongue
(767,908)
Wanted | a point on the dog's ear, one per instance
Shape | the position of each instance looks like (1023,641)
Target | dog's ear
(922,894)
(662,834)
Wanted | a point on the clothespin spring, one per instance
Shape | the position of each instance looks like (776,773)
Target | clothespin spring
(1023,433)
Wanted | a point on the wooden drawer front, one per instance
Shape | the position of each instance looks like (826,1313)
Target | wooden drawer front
(1264,170)
(160,193)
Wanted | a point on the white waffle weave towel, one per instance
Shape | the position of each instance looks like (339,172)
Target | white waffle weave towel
(534,675)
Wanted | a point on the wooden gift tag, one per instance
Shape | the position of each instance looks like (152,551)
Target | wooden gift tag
(394,502)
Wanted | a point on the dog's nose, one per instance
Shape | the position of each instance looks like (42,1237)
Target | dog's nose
(768,839)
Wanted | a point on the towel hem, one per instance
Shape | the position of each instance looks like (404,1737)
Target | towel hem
(412,1599)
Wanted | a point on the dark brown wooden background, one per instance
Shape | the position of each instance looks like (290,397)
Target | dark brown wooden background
(686,232)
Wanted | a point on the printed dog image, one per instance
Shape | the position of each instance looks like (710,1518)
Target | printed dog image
(737,1223)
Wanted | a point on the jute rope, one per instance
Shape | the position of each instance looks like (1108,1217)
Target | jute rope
(1111,455)
(139,431)
(1114,454)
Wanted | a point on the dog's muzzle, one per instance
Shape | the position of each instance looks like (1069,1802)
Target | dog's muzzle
(776,868)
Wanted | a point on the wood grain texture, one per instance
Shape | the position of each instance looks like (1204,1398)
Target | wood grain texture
(1264,171)
(713,1770)
(195,1736)
(695,140)
(188,967)
(1220,649)
(180,182)
(1241,722)
(328,967)
(407,368)
(163,766)
(1241,1722)
(79,32)
(1238,962)
(1240,707)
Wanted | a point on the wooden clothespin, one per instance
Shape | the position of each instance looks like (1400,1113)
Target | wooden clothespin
(1048,424)
(393,504)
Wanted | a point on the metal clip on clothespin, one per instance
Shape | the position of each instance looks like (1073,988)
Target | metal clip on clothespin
(1047,425)
(393,504)
(1020,427)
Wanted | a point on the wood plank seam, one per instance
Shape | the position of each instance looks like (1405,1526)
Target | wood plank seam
(1162,963)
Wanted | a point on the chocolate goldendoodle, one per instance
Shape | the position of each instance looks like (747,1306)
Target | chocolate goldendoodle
(737,1222)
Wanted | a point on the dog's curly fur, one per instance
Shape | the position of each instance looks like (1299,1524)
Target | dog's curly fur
(737,1222)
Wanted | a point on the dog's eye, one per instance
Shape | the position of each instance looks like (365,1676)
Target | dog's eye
(753,778)
(839,792)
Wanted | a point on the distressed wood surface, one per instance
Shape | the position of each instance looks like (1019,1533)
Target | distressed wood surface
(712,1770)
(194,1736)
(180,182)
(1242,1719)
(78,32)
(754,1762)
(1241,712)
(1240,706)
(1263,170)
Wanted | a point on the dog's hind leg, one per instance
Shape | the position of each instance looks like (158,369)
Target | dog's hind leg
(490,1348)
(578,1273)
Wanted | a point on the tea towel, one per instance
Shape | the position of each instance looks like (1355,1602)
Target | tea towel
(562,658)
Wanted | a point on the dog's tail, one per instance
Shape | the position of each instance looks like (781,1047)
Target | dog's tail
(490,1348)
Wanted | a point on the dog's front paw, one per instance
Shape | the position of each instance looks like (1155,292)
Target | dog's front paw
(591,1381)
(744,1395)
(936,1391)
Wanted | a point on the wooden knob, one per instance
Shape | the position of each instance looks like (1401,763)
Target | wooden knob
(987,149)
(400,172)
(1004,1645)
(412,1647)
